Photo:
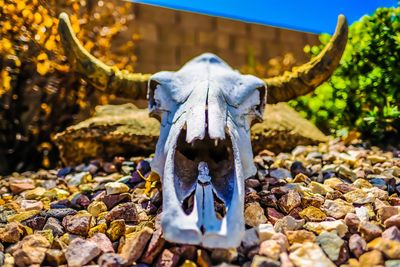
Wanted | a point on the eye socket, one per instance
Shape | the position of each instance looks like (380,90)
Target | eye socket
(152,86)
(260,107)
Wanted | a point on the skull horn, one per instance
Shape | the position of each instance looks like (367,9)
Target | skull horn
(100,75)
(305,78)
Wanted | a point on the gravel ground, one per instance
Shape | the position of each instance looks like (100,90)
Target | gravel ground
(331,205)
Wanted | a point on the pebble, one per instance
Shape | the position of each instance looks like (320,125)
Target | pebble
(300,236)
(254,214)
(289,201)
(318,227)
(288,223)
(77,224)
(357,245)
(337,208)
(111,260)
(265,231)
(312,214)
(96,207)
(125,211)
(81,252)
(260,261)
(134,246)
(55,226)
(371,258)
(308,254)
(331,244)
(114,188)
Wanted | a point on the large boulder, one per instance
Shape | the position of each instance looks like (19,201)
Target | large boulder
(128,130)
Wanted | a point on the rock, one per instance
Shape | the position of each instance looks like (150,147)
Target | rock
(357,245)
(284,129)
(369,230)
(289,201)
(167,259)
(56,257)
(390,248)
(18,187)
(285,261)
(113,130)
(60,213)
(260,261)
(312,214)
(154,248)
(288,223)
(125,211)
(22,216)
(36,193)
(254,214)
(392,263)
(300,236)
(345,172)
(224,255)
(386,212)
(36,222)
(134,246)
(100,228)
(337,208)
(352,221)
(273,215)
(96,207)
(12,233)
(331,244)
(30,250)
(318,188)
(116,188)
(315,200)
(329,226)
(270,249)
(265,231)
(77,224)
(371,258)
(116,230)
(280,174)
(392,233)
(376,159)
(54,225)
(81,252)
(31,204)
(308,254)
(102,242)
(111,260)
(112,200)
(393,221)
(359,196)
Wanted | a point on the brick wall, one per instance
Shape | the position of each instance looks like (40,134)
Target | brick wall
(169,38)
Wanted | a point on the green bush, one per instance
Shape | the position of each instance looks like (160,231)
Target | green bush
(363,94)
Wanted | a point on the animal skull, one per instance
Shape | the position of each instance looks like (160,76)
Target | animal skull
(205,109)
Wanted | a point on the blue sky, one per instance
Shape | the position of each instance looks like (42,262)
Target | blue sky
(314,16)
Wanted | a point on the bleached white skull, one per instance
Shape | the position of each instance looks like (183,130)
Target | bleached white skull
(206,110)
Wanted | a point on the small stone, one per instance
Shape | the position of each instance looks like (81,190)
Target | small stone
(359,196)
(315,200)
(48,234)
(376,159)
(22,216)
(114,188)
(392,263)
(224,255)
(100,228)
(357,245)
(154,248)
(318,188)
(273,215)
(318,227)
(111,260)
(60,213)
(112,200)
(77,224)
(312,214)
(371,258)
(337,208)
(30,250)
(55,226)
(392,233)
(167,259)
(96,207)
(280,174)
(390,248)
(345,172)
(252,183)
(270,249)
(12,233)
(36,222)
(369,230)
(300,236)
(116,230)
(254,214)
(18,187)
(31,204)
(352,221)
(289,201)
(102,241)
(265,231)
(81,252)
(393,221)
(308,254)
(34,193)
(285,261)
(331,244)
(386,212)
(288,223)
(260,261)
(134,246)
(55,257)
(125,211)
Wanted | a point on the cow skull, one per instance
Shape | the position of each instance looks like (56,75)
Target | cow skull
(204,152)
